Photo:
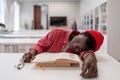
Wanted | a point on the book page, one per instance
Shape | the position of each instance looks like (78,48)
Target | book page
(45,57)
(52,57)
(69,56)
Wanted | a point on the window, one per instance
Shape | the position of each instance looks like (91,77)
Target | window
(16,15)
(2,11)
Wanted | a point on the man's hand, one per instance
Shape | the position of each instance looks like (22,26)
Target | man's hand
(28,57)
(89,66)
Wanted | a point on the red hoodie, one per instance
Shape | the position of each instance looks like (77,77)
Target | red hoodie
(54,41)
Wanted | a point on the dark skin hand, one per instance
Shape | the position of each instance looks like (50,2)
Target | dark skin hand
(28,57)
(89,66)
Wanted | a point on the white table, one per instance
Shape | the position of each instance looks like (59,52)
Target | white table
(14,43)
(25,34)
(108,68)
(9,42)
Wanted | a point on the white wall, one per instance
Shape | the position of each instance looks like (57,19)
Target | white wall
(69,9)
(2,11)
(26,14)
(16,15)
(114,28)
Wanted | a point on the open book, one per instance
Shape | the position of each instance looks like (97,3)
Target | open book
(61,59)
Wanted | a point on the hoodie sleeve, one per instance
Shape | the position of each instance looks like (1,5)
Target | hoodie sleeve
(44,43)
(84,52)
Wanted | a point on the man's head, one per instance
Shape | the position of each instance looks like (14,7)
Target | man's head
(88,40)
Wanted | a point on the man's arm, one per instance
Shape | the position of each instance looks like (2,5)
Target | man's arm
(41,46)
(89,66)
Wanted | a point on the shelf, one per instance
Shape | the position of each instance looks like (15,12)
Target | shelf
(96,18)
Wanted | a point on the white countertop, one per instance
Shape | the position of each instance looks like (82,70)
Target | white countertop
(25,34)
(23,37)
(12,41)
(108,69)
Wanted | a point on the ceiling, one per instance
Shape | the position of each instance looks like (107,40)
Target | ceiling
(49,0)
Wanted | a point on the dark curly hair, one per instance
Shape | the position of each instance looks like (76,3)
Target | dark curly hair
(90,42)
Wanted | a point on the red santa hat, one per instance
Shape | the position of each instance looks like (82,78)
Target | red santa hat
(98,37)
